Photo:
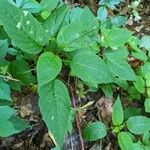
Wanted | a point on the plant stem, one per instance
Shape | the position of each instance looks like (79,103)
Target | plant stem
(77,120)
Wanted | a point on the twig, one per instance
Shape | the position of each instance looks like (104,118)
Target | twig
(77,120)
(9,78)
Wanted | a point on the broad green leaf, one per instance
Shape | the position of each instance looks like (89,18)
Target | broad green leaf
(117,114)
(102,13)
(55,107)
(145,42)
(18,123)
(148,92)
(131,112)
(119,20)
(3,34)
(94,131)
(140,55)
(4,91)
(15,85)
(7,129)
(145,69)
(24,30)
(90,68)
(122,83)
(139,84)
(12,126)
(133,92)
(134,43)
(5,113)
(110,3)
(120,68)
(3,48)
(49,5)
(147,77)
(53,23)
(138,146)
(115,37)
(20,3)
(147,147)
(147,105)
(138,124)
(48,67)
(107,89)
(125,141)
(79,34)
(93,87)
(122,52)
(20,70)
(74,14)
(146,138)
(32,6)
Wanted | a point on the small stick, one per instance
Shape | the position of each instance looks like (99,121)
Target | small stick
(77,120)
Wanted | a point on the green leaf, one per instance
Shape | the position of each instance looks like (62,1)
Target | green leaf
(133,92)
(55,107)
(20,70)
(32,6)
(145,42)
(139,84)
(147,77)
(90,68)
(49,5)
(125,141)
(131,112)
(122,52)
(19,124)
(119,20)
(110,3)
(9,127)
(53,23)
(74,14)
(120,68)
(79,34)
(94,131)
(147,105)
(117,114)
(137,146)
(145,69)
(115,37)
(122,83)
(24,30)
(140,55)
(3,48)
(138,124)
(4,91)
(107,89)
(5,113)
(48,67)
(14,85)
(102,13)
(146,138)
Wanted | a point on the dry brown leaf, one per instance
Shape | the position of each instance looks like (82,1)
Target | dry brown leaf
(104,106)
